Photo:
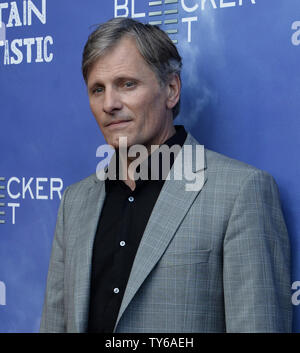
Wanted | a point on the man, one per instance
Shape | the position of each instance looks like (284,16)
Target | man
(138,255)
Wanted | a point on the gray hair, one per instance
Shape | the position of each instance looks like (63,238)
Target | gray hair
(154,45)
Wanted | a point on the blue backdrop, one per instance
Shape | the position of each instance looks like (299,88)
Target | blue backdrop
(241,89)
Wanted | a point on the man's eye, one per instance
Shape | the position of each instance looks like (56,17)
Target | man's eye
(129,84)
(98,90)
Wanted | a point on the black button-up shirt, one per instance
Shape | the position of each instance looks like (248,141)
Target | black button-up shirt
(122,222)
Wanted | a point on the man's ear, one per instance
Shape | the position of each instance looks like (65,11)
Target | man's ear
(174,87)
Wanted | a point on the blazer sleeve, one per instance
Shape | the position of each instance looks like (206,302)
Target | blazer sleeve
(256,255)
(53,311)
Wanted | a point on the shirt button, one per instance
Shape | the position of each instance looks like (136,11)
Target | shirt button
(130,198)
(122,243)
(116,290)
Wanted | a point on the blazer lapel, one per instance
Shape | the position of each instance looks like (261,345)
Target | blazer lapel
(171,206)
(87,224)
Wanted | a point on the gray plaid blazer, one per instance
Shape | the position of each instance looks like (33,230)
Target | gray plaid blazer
(212,260)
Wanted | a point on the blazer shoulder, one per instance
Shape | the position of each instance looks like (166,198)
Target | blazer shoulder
(229,168)
(81,187)
(234,170)
(217,161)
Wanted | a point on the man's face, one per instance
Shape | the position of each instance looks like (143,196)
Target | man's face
(127,99)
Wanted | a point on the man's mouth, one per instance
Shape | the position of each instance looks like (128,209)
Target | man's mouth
(118,123)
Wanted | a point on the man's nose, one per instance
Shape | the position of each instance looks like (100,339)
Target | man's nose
(112,101)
